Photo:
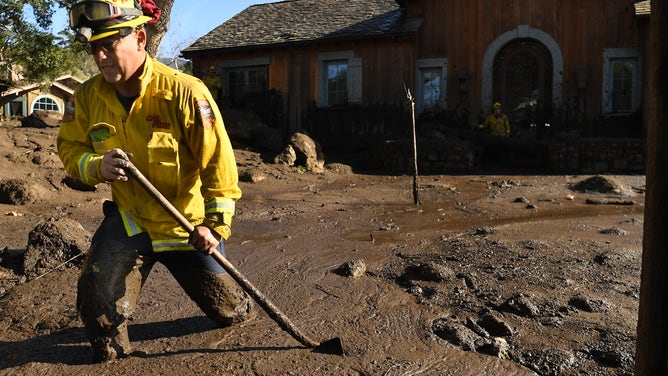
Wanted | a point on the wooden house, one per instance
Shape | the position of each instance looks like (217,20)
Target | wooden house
(342,68)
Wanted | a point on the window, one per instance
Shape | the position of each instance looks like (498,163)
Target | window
(431,87)
(339,79)
(337,82)
(244,77)
(45,103)
(247,80)
(623,71)
(431,84)
(621,80)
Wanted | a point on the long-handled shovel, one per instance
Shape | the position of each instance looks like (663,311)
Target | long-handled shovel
(332,346)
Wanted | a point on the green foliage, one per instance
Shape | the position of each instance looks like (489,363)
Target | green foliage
(301,169)
(29,47)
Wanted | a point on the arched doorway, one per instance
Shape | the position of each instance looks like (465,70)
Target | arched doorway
(523,84)
(509,39)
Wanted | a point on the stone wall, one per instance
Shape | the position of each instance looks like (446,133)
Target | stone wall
(597,155)
(434,157)
(558,156)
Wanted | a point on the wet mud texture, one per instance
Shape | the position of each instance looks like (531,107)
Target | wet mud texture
(490,275)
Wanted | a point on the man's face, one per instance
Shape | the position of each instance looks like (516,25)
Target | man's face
(118,58)
(497,111)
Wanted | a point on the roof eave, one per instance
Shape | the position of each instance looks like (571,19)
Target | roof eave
(188,53)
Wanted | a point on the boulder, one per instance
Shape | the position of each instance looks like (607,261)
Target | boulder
(308,152)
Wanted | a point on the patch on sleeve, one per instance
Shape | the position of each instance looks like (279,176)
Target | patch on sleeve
(205,113)
(69,110)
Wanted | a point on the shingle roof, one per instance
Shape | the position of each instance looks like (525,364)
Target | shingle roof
(643,8)
(295,21)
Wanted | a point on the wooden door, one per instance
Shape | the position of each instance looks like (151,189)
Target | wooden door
(523,83)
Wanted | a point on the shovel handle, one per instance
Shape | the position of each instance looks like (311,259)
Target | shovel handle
(279,317)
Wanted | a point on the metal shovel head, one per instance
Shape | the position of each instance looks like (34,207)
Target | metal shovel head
(331,346)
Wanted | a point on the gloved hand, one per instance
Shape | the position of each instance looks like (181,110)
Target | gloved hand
(113,164)
(204,239)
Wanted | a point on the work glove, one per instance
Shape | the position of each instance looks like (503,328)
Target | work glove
(113,164)
(204,239)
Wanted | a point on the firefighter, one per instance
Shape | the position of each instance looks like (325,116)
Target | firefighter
(170,127)
(212,81)
(497,123)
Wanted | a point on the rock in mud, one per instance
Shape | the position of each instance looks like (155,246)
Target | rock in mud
(287,157)
(354,268)
(599,184)
(613,231)
(495,326)
(521,305)
(17,192)
(456,333)
(498,347)
(431,271)
(608,358)
(483,231)
(339,168)
(53,243)
(588,305)
(251,176)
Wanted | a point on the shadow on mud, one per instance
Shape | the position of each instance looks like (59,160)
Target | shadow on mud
(70,345)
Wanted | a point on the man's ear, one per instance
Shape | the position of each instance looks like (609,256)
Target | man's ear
(141,39)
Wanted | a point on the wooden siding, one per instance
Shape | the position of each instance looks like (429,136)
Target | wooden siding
(460,31)
(387,66)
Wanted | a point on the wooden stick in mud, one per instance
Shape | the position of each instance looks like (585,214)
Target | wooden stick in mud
(416,192)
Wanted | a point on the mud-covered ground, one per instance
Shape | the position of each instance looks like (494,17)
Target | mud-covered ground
(490,275)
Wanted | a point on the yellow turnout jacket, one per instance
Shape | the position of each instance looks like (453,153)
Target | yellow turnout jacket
(175,134)
(497,126)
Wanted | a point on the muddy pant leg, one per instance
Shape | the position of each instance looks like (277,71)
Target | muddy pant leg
(208,285)
(108,286)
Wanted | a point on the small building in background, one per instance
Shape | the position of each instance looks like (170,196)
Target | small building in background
(23,99)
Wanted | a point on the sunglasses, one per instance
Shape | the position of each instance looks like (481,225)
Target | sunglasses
(94,48)
(96,11)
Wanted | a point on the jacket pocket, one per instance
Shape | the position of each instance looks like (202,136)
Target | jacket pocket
(103,137)
(163,151)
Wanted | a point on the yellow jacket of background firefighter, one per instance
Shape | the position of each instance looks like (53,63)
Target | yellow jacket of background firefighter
(497,125)
(175,134)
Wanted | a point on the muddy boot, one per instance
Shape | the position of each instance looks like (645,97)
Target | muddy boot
(112,346)
(217,295)
(106,325)
(107,291)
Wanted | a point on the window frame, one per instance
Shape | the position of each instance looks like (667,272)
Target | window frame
(423,65)
(353,77)
(227,67)
(610,57)
(36,101)
(245,71)
(334,84)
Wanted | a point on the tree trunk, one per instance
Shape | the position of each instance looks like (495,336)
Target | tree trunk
(652,340)
(158,30)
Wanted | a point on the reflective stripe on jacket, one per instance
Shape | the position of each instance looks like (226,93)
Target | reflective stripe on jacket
(177,139)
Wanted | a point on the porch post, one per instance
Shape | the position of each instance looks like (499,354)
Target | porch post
(652,341)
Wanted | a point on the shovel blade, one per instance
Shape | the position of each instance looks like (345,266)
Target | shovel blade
(331,346)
